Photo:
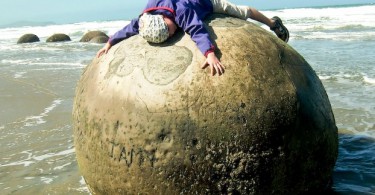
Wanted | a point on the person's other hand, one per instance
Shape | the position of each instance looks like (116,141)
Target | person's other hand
(214,63)
(103,50)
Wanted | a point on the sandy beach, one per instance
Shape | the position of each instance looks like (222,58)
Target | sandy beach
(38,80)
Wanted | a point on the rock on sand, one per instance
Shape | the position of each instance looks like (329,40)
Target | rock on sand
(149,120)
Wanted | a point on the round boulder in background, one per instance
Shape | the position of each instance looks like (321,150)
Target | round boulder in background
(88,37)
(99,39)
(59,37)
(28,38)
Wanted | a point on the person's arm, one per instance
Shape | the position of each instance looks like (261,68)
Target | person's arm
(104,50)
(189,21)
(214,63)
(128,31)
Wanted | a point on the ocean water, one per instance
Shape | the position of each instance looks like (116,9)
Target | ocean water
(37,84)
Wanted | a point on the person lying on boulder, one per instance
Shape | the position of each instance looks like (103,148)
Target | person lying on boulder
(161,18)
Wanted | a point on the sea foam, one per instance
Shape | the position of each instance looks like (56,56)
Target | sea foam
(333,23)
(369,80)
(300,21)
(38,119)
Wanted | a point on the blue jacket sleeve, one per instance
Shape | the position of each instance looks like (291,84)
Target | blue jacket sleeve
(128,31)
(189,21)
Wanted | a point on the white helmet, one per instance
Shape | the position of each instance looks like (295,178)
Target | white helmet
(153,28)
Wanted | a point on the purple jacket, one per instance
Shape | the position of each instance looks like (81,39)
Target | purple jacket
(187,14)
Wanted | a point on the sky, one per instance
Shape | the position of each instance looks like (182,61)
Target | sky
(70,11)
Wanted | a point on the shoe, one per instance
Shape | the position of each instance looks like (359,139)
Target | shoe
(280,30)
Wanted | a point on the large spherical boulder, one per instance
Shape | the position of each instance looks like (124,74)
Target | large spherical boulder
(59,37)
(88,37)
(28,38)
(148,120)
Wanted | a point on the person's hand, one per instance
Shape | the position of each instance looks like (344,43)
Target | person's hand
(104,50)
(214,63)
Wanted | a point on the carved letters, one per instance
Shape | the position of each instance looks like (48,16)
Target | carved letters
(129,156)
